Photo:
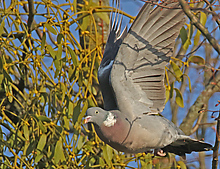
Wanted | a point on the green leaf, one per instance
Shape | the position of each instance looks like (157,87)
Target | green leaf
(190,87)
(1,78)
(203,19)
(51,51)
(26,145)
(10,97)
(50,28)
(42,127)
(59,129)
(107,154)
(167,93)
(190,27)
(59,52)
(76,111)
(197,37)
(63,91)
(82,114)
(44,98)
(66,123)
(92,161)
(80,79)
(101,162)
(185,39)
(44,119)
(179,98)
(59,38)
(7,76)
(59,154)
(73,56)
(71,73)
(70,109)
(91,102)
(38,157)
(197,60)
(31,147)
(186,44)
(57,72)
(80,142)
(85,23)
(57,65)
(183,35)
(43,41)
(178,73)
(1,64)
(26,131)
(42,142)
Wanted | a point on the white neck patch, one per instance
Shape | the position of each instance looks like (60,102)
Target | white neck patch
(110,121)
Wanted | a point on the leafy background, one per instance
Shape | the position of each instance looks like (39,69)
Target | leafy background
(49,57)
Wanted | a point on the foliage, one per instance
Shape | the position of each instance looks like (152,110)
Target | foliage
(49,57)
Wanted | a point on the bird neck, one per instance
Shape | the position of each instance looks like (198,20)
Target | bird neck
(110,120)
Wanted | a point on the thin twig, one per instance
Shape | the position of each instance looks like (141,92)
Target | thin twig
(216,147)
(199,26)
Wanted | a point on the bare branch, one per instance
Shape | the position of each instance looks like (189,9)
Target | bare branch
(210,89)
(216,147)
(194,20)
(31,14)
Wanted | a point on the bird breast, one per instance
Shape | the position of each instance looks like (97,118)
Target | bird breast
(115,133)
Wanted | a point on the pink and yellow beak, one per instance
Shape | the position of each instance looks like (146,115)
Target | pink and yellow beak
(87,119)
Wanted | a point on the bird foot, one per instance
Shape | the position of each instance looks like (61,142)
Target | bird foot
(159,152)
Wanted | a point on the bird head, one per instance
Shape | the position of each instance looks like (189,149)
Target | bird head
(99,116)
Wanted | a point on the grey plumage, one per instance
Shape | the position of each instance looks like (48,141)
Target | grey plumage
(131,77)
(142,134)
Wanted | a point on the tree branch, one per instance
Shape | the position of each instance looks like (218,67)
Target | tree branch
(212,87)
(31,15)
(216,147)
(194,20)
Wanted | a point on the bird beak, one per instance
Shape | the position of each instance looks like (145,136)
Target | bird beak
(87,119)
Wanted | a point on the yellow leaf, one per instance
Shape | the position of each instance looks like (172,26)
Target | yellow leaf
(178,73)
(203,18)
(167,95)
(42,142)
(179,98)
(197,60)
(182,164)
(58,154)
(50,28)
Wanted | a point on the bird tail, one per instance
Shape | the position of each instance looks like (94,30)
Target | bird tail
(185,145)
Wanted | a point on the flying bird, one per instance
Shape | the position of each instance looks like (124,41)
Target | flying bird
(131,77)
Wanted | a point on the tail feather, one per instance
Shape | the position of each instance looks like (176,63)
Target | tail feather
(182,146)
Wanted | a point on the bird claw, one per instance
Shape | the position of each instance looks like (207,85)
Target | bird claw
(159,152)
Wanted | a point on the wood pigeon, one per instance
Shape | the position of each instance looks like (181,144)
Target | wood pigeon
(131,77)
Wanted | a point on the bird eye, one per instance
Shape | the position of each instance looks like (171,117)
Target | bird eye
(96,112)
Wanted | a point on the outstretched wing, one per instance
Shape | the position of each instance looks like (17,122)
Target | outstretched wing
(114,41)
(137,75)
